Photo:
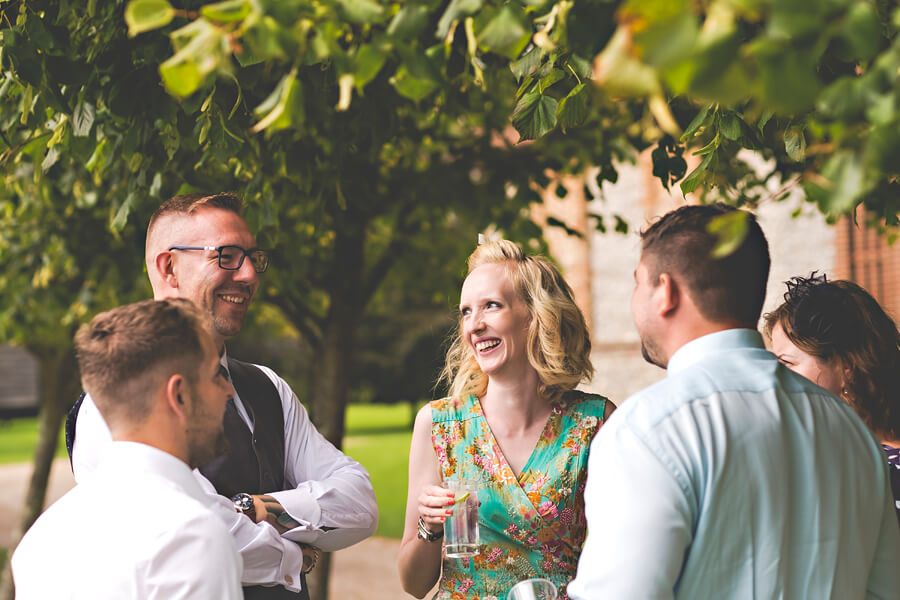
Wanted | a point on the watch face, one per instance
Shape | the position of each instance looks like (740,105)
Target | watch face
(243,502)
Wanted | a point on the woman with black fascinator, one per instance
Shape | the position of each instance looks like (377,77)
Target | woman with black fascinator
(836,335)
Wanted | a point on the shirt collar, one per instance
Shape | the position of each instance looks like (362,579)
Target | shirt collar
(713,343)
(223,360)
(131,457)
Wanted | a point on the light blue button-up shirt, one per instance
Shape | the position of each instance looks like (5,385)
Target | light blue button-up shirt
(736,478)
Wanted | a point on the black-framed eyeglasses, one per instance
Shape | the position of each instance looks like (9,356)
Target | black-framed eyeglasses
(231,258)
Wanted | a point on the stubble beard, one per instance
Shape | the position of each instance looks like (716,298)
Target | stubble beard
(210,447)
(651,352)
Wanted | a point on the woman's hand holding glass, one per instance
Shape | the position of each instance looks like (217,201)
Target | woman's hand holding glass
(435,505)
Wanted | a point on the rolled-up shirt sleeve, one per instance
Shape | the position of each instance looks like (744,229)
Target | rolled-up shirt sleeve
(268,557)
(330,494)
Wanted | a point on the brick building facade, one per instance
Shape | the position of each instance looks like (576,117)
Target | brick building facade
(600,266)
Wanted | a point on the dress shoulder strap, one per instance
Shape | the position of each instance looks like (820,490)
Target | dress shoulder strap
(454,409)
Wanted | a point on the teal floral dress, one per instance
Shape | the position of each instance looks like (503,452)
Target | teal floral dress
(532,525)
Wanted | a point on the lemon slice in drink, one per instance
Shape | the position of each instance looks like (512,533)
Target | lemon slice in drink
(461,498)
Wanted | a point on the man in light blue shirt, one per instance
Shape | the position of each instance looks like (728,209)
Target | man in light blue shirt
(733,477)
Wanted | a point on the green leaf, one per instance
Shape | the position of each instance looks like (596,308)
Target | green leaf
(698,121)
(534,115)
(369,61)
(456,10)
(50,159)
(227,11)
(599,225)
(730,126)
(730,230)
(554,76)
(181,77)
(554,222)
(843,99)
(507,33)
(202,48)
(789,77)
(121,218)
(695,177)
(144,15)
(412,87)
(361,12)
(528,64)
(409,22)
(861,32)
(621,225)
(846,184)
(795,144)
(573,109)
(765,118)
(283,108)
(82,119)
(582,67)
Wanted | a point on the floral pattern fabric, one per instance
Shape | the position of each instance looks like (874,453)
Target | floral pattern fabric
(532,525)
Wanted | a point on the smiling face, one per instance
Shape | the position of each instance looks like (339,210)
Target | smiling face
(798,361)
(495,321)
(224,294)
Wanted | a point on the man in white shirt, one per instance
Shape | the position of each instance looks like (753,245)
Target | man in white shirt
(733,477)
(292,486)
(141,527)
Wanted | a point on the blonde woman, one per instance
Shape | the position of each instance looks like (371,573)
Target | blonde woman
(514,421)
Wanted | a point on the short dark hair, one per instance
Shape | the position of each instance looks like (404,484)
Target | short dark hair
(841,324)
(119,349)
(188,204)
(727,288)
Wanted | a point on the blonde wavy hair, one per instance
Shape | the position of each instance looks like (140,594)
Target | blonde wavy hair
(559,344)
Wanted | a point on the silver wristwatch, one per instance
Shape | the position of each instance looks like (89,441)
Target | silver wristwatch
(426,534)
(243,503)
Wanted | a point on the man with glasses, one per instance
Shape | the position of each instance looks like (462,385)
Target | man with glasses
(285,491)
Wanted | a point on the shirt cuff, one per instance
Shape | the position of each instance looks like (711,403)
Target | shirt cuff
(291,566)
(301,505)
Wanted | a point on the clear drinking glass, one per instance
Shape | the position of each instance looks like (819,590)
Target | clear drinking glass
(461,528)
(533,589)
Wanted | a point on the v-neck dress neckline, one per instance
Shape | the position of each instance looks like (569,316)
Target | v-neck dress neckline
(533,524)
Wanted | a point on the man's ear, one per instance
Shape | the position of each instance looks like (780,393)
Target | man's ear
(164,264)
(667,295)
(177,394)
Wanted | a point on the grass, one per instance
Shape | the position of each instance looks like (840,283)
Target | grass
(18,437)
(377,436)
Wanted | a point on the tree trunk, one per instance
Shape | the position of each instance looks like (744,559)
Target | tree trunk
(58,389)
(331,385)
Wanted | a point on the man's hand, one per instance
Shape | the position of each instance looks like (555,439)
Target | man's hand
(268,509)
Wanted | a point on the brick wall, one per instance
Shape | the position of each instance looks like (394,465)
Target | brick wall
(798,244)
(865,257)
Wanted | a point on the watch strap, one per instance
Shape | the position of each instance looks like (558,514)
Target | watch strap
(426,534)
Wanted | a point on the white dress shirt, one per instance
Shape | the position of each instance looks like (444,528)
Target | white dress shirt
(736,478)
(141,528)
(324,489)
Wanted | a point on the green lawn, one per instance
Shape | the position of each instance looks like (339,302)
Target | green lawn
(377,436)
(18,438)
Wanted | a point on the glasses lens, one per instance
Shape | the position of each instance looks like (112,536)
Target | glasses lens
(231,257)
(260,260)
